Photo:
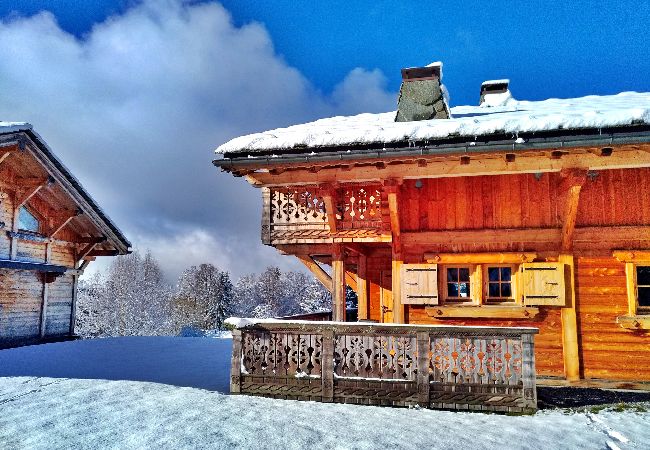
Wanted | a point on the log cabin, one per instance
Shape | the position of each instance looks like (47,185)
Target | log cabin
(508,213)
(50,229)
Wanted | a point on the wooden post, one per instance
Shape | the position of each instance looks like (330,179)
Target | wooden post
(338,284)
(398,307)
(528,376)
(46,293)
(363,288)
(423,349)
(569,324)
(73,307)
(266,216)
(327,366)
(235,367)
(329,201)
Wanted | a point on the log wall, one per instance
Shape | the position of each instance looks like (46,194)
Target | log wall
(610,198)
(22,291)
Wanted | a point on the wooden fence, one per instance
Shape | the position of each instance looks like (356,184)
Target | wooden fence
(445,367)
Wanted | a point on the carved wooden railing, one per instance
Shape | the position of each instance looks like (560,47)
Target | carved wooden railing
(293,215)
(467,368)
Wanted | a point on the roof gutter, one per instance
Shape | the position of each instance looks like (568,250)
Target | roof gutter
(598,138)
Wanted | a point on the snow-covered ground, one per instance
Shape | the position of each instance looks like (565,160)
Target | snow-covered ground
(169,393)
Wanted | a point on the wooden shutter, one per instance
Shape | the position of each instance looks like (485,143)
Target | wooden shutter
(543,284)
(419,284)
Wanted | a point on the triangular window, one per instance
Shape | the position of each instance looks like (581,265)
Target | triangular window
(27,221)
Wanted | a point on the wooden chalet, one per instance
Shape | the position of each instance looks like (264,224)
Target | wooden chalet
(507,214)
(50,229)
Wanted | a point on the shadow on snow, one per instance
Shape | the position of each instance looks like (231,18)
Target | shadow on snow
(202,363)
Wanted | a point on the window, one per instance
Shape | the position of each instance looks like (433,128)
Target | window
(458,284)
(643,289)
(27,221)
(499,287)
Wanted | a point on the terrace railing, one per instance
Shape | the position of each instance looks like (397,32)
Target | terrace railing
(445,367)
(299,215)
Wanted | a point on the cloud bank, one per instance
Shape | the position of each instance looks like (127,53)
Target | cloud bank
(136,107)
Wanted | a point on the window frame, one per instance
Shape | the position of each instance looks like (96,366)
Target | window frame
(479,285)
(514,285)
(443,292)
(638,309)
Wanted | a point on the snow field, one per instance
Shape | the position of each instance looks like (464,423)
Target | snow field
(83,405)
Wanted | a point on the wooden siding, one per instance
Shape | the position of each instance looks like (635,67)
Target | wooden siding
(607,350)
(20,304)
(59,306)
(608,198)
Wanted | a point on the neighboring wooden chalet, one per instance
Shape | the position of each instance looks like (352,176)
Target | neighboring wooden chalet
(50,229)
(511,213)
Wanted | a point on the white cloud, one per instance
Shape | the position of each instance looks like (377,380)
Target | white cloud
(136,107)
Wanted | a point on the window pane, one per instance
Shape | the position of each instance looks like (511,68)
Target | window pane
(493,273)
(506,290)
(644,296)
(464,289)
(493,290)
(463,274)
(643,275)
(506,273)
(452,274)
(27,221)
(452,290)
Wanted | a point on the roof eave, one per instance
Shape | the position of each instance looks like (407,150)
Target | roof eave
(73,187)
(555,139)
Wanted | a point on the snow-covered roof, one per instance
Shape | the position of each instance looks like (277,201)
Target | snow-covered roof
(13,127)
(491,82)
(517,116)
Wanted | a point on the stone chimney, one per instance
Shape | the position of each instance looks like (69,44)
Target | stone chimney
(493,87)
(422,96)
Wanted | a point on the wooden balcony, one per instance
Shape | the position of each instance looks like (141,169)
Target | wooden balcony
(442,367)
(300,215)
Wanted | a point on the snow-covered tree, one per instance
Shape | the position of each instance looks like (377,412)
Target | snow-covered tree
(130,299)
(204,298)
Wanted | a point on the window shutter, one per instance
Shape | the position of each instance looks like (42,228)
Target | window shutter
(419,284)
(543,284)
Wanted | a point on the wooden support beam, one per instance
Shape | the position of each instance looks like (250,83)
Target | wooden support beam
(62,222)
(393,206)
(4,155)
(91,240)
(84,253)
(570,348)
(480,258)
(73,309)
(317,270)
(338,284)
(624,157)
(329,201)
(363,288)
(571,185)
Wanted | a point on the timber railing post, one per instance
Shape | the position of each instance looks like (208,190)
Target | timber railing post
(235,368)
(528,369)
(266,216)
(423,368)
(327,366)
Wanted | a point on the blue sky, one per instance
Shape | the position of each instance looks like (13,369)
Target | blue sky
(134,95)
(547,49)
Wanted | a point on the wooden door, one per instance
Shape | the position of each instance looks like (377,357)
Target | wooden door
(386,296)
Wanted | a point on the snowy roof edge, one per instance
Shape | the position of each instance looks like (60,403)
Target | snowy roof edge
(469,122)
